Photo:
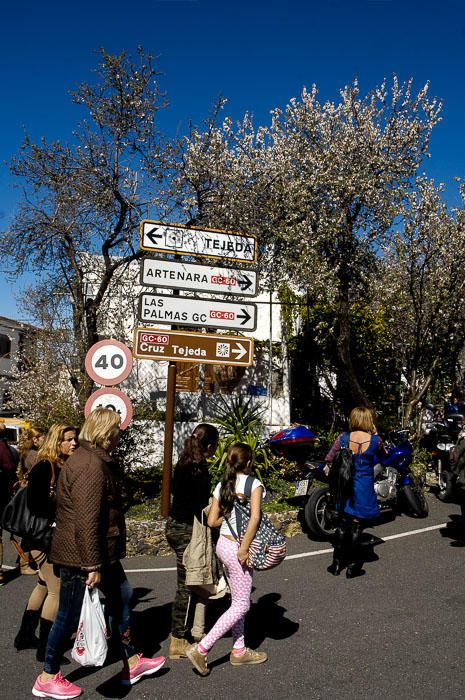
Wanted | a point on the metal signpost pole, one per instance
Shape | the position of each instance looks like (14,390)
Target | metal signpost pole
(169,433)
(168,445)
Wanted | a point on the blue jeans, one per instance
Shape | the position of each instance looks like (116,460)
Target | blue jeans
(72,587)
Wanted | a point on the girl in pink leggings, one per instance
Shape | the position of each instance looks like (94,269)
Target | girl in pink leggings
(234,558)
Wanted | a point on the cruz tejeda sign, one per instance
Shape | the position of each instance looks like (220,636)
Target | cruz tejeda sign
(174,238)
(205,348)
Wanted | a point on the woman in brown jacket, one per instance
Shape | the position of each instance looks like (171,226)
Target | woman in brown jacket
(42,480)
(89,541)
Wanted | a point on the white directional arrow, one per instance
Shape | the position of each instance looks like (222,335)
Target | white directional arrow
(239,351)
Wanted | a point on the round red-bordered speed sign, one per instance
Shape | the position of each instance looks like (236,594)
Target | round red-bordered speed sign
(111,398)
(108,362)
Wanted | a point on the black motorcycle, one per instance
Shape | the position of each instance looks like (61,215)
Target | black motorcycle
(395,485)
(445,435)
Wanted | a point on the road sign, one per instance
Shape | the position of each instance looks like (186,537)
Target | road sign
(110,398)
(211,243)
(205,348)
(190,311)
(108,362)
(156,272)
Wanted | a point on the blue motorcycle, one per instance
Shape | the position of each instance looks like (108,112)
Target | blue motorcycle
(395,485)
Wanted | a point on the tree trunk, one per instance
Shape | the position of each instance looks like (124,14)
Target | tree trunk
(415,395)
(355,394)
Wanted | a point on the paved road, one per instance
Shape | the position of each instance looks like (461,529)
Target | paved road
(397,632)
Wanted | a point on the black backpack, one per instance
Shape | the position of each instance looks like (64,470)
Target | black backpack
(341,475)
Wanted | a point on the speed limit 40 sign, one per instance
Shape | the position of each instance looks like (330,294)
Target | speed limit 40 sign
(108,362)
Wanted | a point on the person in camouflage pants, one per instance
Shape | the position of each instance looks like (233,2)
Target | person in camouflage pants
(179,535)
(191,493)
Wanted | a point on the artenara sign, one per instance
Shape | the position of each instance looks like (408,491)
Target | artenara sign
(155,272)
(210,243)
(205,348)
(190,311)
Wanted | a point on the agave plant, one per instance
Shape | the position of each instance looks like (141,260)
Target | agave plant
(239,421)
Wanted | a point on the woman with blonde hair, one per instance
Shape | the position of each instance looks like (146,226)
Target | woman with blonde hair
(30,441)
(43,478)
(88,544)
(359,505)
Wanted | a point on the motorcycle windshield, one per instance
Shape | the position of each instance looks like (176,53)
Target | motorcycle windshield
(399,456)
(296,434)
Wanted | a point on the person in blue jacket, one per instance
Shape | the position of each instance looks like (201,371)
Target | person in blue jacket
(361,505)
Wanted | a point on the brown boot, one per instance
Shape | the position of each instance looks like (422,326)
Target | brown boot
(27,570)
(198,660)
(177,647)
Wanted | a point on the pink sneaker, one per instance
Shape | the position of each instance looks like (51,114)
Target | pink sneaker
(143,667)
(56,687)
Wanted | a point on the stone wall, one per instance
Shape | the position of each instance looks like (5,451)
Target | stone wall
(147,537)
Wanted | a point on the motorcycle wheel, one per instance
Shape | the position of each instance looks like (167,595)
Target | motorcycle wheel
(417,504)
(315,514)
(446,486)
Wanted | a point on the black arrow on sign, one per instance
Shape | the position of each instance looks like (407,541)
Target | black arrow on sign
(244,282)
(153,236)
(245,315)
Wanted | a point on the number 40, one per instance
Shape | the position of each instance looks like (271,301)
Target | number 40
(116,361)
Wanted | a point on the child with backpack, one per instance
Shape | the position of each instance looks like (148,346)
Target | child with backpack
(352,487)
(234,558)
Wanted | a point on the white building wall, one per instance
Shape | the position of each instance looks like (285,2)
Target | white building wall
(148,379)
(8,364)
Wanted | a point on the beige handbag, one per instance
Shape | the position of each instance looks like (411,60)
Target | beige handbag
(198,561)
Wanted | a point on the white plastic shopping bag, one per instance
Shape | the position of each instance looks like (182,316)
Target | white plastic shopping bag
(90,647)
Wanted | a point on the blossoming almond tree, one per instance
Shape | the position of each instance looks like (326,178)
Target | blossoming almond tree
(322,186)
(422,288)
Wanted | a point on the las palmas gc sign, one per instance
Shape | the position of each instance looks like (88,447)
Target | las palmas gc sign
(190,311)
(157,236)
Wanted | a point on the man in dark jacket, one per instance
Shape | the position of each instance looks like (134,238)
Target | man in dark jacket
(7,477)
(458,469)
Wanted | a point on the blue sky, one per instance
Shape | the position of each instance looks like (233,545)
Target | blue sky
(258,54)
